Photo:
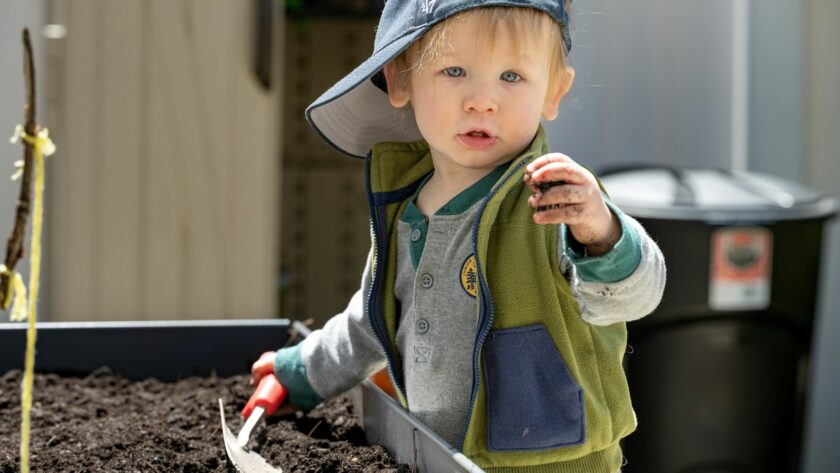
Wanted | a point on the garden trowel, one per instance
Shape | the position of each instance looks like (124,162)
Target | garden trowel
(268,396)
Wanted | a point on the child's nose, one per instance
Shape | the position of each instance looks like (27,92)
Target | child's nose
(480,101)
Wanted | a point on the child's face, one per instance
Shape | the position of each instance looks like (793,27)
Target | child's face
(479,107)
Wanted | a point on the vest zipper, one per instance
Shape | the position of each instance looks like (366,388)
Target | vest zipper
(485,320)
(374,311)
(376,321)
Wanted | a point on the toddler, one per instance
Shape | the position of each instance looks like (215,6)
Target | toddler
(500,276)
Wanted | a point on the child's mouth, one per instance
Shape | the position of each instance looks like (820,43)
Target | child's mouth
(476,139)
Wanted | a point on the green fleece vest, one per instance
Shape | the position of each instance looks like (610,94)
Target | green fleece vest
(549,391)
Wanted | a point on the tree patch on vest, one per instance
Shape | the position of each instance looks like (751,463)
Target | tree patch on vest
(469,276)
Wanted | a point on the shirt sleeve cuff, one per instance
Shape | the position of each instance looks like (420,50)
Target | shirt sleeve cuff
(290,371)
(615,265)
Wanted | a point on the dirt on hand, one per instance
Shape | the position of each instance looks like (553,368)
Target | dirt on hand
(104,422)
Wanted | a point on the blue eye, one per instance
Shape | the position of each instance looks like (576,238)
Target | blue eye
(454,72)
(509,76)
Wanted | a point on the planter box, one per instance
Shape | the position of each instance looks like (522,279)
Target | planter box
(170,350)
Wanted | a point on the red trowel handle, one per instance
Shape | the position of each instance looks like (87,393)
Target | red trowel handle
(269,395)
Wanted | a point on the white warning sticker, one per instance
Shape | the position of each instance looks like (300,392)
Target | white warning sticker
(740,274)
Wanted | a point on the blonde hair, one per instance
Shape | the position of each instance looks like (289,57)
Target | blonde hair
(522,22)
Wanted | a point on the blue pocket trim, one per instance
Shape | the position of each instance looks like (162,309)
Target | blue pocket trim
(533,403)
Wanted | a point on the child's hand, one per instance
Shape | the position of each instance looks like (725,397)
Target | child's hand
(263,366)
(565,192)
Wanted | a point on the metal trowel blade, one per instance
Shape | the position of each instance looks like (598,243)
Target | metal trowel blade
(245,461)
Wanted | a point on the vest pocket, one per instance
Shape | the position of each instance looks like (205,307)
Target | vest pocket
(532,401)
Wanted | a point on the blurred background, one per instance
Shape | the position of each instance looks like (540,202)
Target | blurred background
(187,184)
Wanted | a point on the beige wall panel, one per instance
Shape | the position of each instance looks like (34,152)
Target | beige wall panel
(255,198)
(215,31)
(165,215)
(254,183)
(251,157)
(200,239)
(212,31)
(229,245)
(71,197)
(255,242)
(119,191)
(173,213)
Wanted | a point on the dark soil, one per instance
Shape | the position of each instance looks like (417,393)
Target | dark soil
(104,423)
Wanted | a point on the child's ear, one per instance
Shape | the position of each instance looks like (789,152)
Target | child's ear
(398,94)
(557,89)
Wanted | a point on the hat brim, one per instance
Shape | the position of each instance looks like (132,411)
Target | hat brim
(354,114)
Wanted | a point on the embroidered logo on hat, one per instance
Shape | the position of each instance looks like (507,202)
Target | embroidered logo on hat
(427,6)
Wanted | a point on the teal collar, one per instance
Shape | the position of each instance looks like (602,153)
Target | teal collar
(458,205)
(461,202)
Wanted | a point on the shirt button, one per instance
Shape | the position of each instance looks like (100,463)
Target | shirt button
(416,234)
(422,326)
(426,280)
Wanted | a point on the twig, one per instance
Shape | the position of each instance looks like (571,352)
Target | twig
(293,334)
(313,429)
(102,370)
(14,244)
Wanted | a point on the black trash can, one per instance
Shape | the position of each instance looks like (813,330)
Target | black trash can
(719,371)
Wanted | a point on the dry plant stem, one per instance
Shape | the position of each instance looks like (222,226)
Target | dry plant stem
(14,244)
(14,248)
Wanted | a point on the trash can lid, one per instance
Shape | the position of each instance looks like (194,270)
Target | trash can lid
(712,195)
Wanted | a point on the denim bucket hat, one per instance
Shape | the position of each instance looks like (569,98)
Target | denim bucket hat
(354,114)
